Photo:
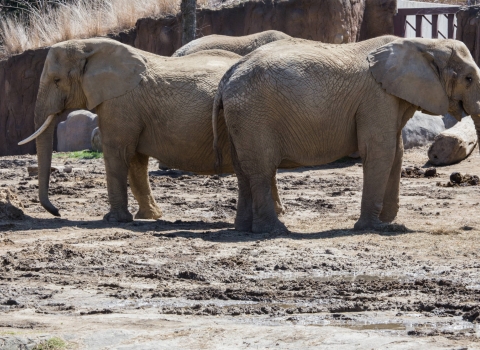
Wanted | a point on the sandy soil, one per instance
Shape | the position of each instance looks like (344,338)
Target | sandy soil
(189,281)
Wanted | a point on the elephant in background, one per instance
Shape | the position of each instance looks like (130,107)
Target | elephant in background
(147,106)
(297,102)
(241,45)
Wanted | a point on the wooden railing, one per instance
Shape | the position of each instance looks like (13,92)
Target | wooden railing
(401,20)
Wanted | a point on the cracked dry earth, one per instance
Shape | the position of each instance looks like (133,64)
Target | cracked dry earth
(189,281)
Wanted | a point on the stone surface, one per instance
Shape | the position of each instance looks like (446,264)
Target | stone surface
(96,140)
(455,144)
(74,134)
(468,20)
(421,129)
(378,18)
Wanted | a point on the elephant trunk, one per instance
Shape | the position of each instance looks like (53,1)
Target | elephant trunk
(44,156)
(476,121)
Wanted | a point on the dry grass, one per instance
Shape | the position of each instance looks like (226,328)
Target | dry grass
(82,19)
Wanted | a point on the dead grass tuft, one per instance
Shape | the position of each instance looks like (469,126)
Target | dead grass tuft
(443,231)
(79,20)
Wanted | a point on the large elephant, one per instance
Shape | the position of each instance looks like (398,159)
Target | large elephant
(147,105)
(241,45)
(298,102)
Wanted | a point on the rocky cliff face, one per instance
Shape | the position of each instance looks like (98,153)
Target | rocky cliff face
(19,78)
(337,21)
(333,21)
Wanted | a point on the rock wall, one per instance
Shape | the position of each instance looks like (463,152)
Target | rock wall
(468,22)
(19,78)
(378,18)
(334,21)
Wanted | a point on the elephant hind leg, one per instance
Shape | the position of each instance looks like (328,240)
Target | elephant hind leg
(265,219)
(140,185)
(244,217)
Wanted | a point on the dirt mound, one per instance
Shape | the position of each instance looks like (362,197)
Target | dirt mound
(457,179)
(415,172)
(10,206)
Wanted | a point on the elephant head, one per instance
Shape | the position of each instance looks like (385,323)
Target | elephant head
(79,74)
(439,76)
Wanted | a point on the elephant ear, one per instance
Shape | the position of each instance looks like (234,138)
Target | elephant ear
(111,70)
(407,69)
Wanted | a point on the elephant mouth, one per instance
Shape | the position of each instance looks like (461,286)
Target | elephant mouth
(457,109)
(462,108)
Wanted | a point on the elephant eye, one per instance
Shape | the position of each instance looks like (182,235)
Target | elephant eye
(469,78)
(56,80)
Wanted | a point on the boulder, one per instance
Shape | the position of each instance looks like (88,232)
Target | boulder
(455,144)
(96,140)
(74,134)
(422,129)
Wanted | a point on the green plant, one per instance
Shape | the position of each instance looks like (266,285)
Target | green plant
(85,154)
(51,344)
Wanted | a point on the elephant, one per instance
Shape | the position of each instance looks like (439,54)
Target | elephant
(241,45)
(147,106)
(300,103)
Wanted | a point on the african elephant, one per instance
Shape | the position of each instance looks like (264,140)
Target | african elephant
(241,45)
(298,102)
(147,105)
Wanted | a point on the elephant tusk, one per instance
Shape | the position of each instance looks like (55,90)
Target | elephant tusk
(39,131)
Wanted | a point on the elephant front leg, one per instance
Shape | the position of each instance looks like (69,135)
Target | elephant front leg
(117,171)
(392,192)
(140,185)
(378,155)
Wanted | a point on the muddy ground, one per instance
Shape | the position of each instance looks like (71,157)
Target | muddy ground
(189,281)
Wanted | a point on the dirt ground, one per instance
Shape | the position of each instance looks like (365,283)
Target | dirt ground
(189,281)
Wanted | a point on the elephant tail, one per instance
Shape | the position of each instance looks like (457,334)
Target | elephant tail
(217,106)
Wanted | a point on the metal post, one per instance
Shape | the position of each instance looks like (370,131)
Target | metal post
(418,26)
(435,26)
(399,23)
(451,18)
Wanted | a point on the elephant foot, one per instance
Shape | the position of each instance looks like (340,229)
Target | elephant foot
(273,227)
(118,216)
(389,212)
(149,213)
(279,209)
(243,224)
(367,224)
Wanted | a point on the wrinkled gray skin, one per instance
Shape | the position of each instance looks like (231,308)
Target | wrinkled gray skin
(297,102)
(147,106)
(241,45)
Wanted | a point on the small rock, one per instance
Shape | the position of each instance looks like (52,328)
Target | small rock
(430,172)
(456,177)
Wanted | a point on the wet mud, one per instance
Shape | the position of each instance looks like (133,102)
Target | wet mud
(419,284)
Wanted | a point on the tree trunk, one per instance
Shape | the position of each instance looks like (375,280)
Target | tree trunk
(455,144)
(189,20)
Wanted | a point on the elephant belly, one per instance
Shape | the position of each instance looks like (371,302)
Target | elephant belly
(185,151)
